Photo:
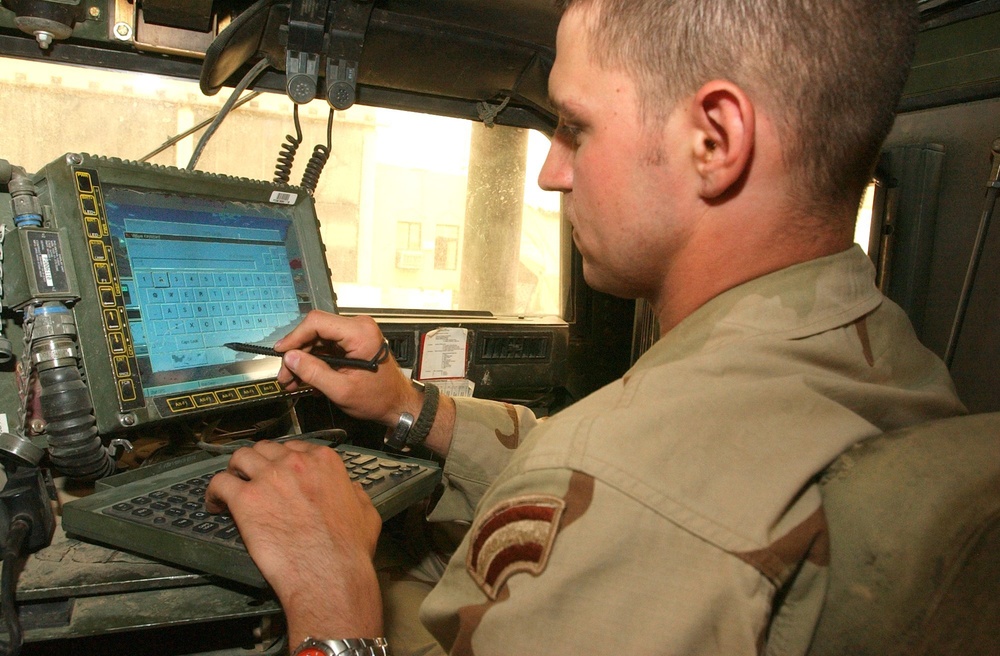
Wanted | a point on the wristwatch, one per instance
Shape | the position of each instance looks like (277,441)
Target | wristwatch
(347,647)
(410,432)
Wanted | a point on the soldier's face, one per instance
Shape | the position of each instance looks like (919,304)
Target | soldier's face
(622,179)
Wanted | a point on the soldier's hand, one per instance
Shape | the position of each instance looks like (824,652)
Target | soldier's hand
(380,396)
(311,531)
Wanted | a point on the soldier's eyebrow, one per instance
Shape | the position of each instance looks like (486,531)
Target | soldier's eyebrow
(567,110)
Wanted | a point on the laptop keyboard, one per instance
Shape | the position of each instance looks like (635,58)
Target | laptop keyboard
(164,516)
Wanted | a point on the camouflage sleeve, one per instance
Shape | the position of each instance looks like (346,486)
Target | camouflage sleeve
(559,563)
(485,437)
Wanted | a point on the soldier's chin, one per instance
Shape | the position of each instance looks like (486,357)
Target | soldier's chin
(604,281)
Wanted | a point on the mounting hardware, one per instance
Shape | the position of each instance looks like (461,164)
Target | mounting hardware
(119,446)
(123,31)
(22,450)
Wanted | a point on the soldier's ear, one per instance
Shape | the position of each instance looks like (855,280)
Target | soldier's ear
(723,118)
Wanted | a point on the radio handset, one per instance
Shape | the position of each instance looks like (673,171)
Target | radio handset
(346,39)
(304,52)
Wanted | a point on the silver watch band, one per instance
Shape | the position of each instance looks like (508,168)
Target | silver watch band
(343,647)
(395,438)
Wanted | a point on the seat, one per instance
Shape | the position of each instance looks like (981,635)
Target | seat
(914,519)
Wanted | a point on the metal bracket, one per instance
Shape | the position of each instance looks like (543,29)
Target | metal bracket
(994,180)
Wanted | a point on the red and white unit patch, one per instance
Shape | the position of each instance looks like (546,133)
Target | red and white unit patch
(514,536)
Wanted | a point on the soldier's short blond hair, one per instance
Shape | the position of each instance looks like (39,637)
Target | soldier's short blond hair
(830,71)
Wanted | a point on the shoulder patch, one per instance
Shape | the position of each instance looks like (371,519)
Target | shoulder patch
(515,536)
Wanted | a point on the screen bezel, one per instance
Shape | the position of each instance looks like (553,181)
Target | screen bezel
(73,204)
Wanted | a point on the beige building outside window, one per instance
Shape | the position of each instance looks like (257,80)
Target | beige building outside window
(480,235)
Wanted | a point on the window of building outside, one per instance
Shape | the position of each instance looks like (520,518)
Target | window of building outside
(408,245)
(408,235)
(446,247)
(479,233)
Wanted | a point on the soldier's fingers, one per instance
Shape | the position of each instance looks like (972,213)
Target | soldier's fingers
(224,486)
(247,462)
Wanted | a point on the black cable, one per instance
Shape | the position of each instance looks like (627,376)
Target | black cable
(321,153)
(286,156)
(243,84)
(13,560)
(187,133)
(336,437)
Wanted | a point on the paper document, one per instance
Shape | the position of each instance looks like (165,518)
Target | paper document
(444,353)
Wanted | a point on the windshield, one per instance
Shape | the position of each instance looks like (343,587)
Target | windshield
(417,212)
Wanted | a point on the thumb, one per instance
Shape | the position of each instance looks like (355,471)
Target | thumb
(307,368)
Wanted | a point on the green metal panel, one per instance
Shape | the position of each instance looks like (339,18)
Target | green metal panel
(956,57)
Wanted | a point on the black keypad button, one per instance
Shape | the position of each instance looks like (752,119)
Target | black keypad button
(228,533)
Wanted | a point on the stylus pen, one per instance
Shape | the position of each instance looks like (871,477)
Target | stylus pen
(370,365)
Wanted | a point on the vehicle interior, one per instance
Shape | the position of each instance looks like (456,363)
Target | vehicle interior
(371,157)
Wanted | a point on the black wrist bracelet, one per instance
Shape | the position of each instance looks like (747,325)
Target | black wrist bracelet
(425,420)
(408,432)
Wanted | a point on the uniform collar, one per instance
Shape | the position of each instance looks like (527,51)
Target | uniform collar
(792,303)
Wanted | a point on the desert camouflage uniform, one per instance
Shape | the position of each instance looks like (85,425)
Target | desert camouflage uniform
(664,513)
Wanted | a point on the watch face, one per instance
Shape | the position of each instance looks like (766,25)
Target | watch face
(314,647)
(313,651)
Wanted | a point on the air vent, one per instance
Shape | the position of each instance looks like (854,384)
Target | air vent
(402,349)
(410,259)
(514,348)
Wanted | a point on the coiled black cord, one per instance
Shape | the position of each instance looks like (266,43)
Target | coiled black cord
(283,169)
(13,561)
(320,155)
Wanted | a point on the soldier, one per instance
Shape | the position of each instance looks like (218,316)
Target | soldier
(712,155)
